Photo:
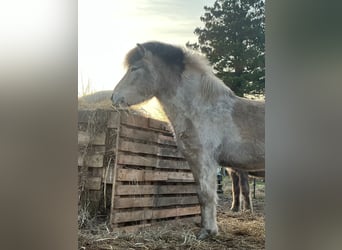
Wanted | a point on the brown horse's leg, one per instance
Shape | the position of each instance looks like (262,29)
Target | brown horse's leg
(244,185)
(235,190)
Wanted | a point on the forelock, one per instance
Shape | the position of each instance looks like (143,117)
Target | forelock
(169,54)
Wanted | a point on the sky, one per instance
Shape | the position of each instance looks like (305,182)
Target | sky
(108,29)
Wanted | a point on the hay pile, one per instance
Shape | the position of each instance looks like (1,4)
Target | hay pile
(101,100)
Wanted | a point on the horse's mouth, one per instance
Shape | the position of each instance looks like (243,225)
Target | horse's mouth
(120,105)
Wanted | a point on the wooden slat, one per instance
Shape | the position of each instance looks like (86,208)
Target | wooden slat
(196,218)
(149,214)
(170,152)
(137,160)
(148,175)
(172,164)
(148,136)
(168,140)
(135,147)
(139,134)
(93,183)
(127,202)
(158,125)
(113,120)
(134,120)
(84,138)
(172,212)
(95,160)
(118,217)
(155,189)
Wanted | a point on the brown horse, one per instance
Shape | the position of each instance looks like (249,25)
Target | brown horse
(212,125)
(240,187)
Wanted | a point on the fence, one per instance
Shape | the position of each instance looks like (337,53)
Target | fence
(130,166)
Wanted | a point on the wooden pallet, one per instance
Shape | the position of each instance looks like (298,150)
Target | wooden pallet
(137,156)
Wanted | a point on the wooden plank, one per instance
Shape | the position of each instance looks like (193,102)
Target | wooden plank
(116,168)
(155,189)
(149,175)
(93,183)
(135,147)
(180,176)
(84,138)
(113,120)
(119,217)
(159,125)
(170,152)
(168,140)
(139,134)
(134,120)
(195,219)
(173,212)
(136,160)
(95,160)
(148,136)
(149,214)
(127,202)
(172,164)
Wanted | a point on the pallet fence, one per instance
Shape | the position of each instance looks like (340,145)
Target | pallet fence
(131,165)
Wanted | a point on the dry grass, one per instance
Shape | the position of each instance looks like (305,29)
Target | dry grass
(150,108)
(242,230)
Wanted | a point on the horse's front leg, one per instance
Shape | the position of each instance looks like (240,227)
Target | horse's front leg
(205,176)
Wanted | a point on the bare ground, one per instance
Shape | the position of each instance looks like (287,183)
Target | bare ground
(242,230)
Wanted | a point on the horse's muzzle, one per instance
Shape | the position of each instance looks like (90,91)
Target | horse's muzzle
(118,101)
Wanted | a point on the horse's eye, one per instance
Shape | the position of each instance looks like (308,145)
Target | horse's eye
(134,68)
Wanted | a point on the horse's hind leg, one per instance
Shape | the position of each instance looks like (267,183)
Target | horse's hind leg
(244,184)
(235,190)
(205,175)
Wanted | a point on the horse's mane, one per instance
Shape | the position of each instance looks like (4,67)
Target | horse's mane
(184,60)
(169,54)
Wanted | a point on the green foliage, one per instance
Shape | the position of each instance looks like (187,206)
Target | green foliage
(233,39)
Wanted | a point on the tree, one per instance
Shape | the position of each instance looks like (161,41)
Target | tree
(233,39)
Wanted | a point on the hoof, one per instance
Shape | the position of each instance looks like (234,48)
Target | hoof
(234,209)
(248,210)
(204,234)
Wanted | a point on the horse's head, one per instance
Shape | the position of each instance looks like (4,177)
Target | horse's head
(139,82)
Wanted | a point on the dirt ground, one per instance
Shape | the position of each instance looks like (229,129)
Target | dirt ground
(242,230)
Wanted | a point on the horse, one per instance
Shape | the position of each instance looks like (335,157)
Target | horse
(213,127)
(240,186)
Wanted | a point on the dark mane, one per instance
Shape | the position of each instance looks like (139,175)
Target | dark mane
(171,55)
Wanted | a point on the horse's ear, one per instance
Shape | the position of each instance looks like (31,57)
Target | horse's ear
(141,49)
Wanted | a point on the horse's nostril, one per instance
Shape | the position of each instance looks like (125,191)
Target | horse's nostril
(117,100)
(111,97)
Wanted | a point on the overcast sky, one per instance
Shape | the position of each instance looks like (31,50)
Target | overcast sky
(109,28)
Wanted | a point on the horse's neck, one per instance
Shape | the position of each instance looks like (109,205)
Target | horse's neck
(181,106)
